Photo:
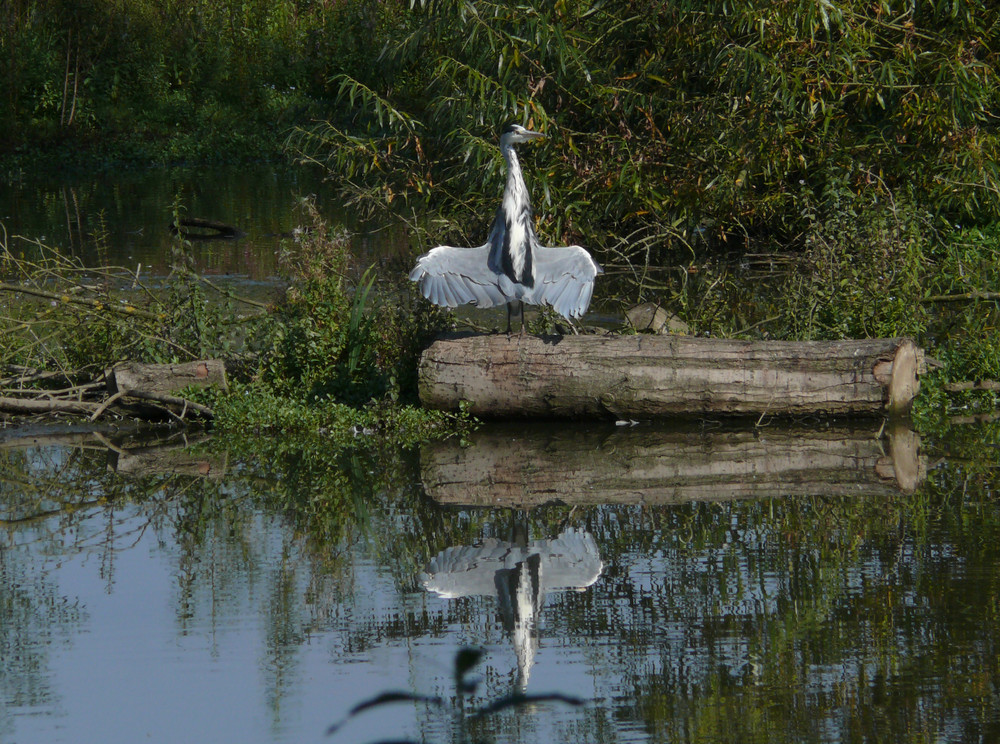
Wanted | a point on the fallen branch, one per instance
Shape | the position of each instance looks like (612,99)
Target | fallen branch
(34,406)
(125,385)
(95,304)
(104,406)
(220,230)
(977,418)
(172,400)
(226,292)
(963,297)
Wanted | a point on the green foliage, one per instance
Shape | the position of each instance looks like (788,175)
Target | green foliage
(864,268)
(675,123)
(72,316)
(339,337)
(167,81)
(338,357)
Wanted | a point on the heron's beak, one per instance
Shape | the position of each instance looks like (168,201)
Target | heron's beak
(533,135)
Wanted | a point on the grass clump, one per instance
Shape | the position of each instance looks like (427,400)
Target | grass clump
(339,355)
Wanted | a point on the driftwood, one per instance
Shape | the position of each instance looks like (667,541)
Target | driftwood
(644,376)
(506,466)
(132,389)
(219,230)
(132,377)
(34,406)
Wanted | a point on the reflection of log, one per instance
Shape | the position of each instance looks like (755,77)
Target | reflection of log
(175,460)
(646,376)
(40,437)
(133,450)
(506,467)
(166,378)
(219,230)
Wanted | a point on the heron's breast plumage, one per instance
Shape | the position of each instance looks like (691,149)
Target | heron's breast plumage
(518,237)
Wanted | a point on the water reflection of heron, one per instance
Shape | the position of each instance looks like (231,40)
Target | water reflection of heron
(520,574)
(512,266)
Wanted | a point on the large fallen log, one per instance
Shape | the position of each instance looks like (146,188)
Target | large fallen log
(646,376)
(503,465)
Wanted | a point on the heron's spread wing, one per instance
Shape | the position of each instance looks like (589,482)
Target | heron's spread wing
(450,277)
(564,279)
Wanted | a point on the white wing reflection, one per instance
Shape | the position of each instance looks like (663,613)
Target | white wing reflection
(519,574)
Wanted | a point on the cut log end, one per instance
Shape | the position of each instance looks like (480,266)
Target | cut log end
(904,382)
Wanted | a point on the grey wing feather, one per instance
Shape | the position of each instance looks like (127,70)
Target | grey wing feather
(564,279)
(450,276)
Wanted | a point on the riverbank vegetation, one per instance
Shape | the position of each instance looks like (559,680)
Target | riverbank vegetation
(336,354)
(804,170)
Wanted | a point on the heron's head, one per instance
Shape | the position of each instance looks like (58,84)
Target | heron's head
(514,134)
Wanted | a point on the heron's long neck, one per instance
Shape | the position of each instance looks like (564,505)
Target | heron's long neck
(514,234)
(516,201)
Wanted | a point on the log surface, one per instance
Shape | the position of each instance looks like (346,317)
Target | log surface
(646,376)
(133,378)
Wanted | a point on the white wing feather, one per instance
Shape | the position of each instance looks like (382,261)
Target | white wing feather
(564,279)
(450,276)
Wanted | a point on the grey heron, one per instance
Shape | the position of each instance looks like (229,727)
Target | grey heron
(511,267)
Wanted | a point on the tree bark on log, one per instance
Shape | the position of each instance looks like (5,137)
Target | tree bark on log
(646,376)
(510,467)
(164,379)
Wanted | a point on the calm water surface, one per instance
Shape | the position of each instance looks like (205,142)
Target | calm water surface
(700,586)
(123,218)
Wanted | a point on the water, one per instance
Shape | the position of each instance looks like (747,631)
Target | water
(815,584)
(123,219)
(262,603)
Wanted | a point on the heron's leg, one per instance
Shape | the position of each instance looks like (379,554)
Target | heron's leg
(515,314)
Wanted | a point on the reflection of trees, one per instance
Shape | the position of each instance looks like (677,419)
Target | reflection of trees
(799,620)
(793,619)
(34,619)
(277,536)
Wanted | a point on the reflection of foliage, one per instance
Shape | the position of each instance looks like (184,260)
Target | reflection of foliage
(34,617)
(781,620)
(778,620)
